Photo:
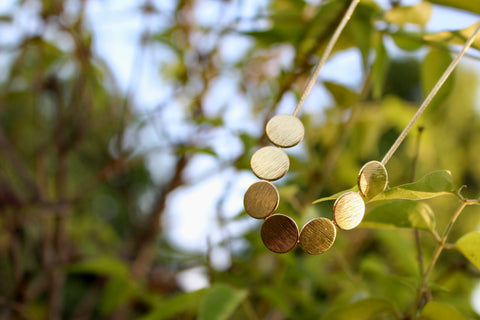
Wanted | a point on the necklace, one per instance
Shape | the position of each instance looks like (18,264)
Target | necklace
(279,232)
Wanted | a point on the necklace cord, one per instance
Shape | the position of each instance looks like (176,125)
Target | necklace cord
(326,53)
(430,96)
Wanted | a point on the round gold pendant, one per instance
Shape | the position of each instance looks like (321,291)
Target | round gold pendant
(285,130)
(261,199)
(348,210)
(372,179)
(270,163)
(317,236)
(279,233)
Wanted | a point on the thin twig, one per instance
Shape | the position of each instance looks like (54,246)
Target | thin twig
(430,96)
(326,53)
(416,232)
(441,245)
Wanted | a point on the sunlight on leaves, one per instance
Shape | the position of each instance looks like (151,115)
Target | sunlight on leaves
(363,309)
(435,310)
(336,195)
(401,214)
(469,5)
(455,36)
(469,245)
(416,14)
(432,185)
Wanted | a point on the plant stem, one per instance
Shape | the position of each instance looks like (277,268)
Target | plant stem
(440,246)
(416,232)
(430,97)
(326,53)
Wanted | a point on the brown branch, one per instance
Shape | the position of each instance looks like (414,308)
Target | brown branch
(19,309)
(18,164)
(143,248)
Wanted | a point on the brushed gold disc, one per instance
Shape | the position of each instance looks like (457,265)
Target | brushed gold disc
(372,179)
(318,235)
(279,233)
(348,210)
(270,163)
(285,130)
(261,199)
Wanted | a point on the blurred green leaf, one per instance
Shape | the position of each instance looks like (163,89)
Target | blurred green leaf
(343,96)
(379,68)
(432,185)
(435,310)
(417,14)
(102,266)
(185,303)
(361,310)
(469,245)
(468,5)
(336,195)
(432,68)
(117,292)
(220,302)
(408,41)
(400,214)
(6,18)
(454,37)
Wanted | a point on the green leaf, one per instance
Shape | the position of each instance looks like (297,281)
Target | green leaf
(361,310)
(336,195)
(379,68)
(469,5)
(104,266)
(407,41)
(469,245)
(117,292)
(343,96)
(400,214)
(433,66)
(455,36)
(220,302)
(432,185)
(6,18)
(416,14)
(435,310)
(186,303)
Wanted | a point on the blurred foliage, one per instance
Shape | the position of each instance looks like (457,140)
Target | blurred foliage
(82,214)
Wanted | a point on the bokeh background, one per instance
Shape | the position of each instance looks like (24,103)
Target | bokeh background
(126,130)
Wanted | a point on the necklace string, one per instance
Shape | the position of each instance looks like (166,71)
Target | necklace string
(326,53)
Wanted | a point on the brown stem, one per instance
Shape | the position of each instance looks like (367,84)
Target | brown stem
(143,249)
(423,289)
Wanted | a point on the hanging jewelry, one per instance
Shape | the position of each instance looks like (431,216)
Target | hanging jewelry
(279,232)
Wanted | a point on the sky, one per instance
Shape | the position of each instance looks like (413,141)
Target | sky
(191,218)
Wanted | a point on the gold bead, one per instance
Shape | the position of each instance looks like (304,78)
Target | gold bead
(348,210)
(279,233)
(269,163)
(261,199)
(372,179)
(317,236)
(285,130)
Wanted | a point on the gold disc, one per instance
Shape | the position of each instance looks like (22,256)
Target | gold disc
(317,236)
(372,179)
(269,163)
(348,210)
(279,233)
(285,130)
(261,199)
